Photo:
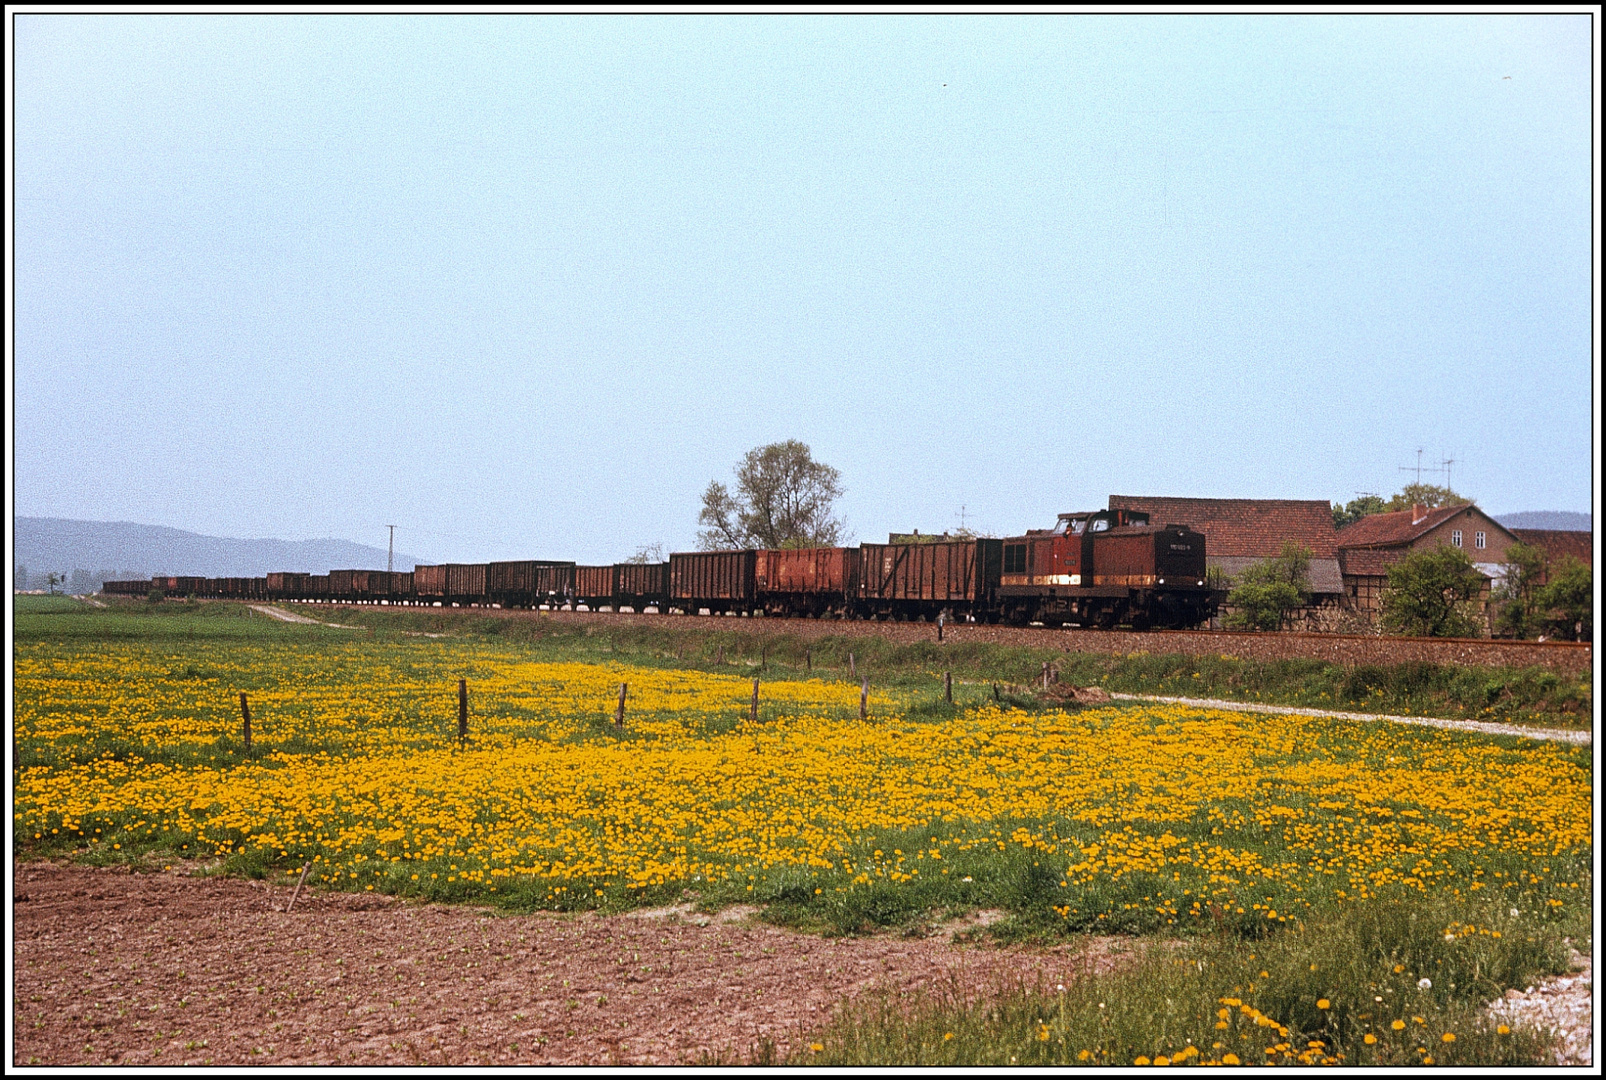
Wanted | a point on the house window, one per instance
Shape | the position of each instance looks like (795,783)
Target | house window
(1480,540)
(1455,538)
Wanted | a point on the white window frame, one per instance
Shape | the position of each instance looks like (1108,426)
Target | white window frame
(1480,540)
(1455,537)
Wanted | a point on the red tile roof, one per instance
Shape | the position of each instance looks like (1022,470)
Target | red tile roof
(1559,542)
(1255,528)
(1395,529)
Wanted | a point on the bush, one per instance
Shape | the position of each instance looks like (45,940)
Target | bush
(1268,591)
(1567,601)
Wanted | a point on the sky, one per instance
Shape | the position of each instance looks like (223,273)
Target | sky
(523,285)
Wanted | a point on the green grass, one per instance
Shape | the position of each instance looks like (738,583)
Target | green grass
(1331,979)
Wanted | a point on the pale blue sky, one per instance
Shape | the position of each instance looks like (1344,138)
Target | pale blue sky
(523,285)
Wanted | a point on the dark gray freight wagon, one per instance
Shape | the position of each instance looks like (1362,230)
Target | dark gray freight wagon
(641,585)
(525,583)
(716,580)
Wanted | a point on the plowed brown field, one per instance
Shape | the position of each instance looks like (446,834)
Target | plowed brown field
(166,968)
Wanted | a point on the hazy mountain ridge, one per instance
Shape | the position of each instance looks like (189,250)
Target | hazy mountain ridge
(1569,520)
(113,550)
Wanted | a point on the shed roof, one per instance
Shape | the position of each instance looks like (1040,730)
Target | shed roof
(1367,562)
(1255,528)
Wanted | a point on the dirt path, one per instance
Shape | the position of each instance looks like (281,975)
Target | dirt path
(1553,734)
(290,616)
(164,969)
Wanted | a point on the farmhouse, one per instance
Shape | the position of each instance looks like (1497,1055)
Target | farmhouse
(1371,545)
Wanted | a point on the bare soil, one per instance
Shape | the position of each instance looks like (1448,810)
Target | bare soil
(171,968)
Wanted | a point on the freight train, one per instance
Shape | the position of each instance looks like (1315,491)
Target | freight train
(1102,568)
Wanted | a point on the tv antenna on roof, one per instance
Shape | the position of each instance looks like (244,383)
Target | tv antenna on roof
(1418,467)
(1447,462)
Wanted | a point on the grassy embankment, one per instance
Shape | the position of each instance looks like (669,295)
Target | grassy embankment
(1298,861)
(1529,695)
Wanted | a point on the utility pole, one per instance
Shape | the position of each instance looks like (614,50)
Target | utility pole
(390,559)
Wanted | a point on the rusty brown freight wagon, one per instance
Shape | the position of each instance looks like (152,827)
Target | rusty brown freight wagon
(922,580)
(429,583)
(641,585)
(593,585)
(283,586)
(716,580)
(807,581)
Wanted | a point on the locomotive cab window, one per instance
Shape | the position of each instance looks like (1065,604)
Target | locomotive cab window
(1099,525)
(1014,558)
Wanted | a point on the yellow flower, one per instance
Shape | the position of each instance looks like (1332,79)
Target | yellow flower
(1449,1036)
(1162,1060)
(1323,1003)
(1503,1030)
(1140,1060)
(947,1035)
(1398,1025)
(1229,1059)
(816,1047)
(1370,1038)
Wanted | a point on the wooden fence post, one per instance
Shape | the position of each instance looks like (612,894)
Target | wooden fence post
(753,716)
(808,659)
(948,687)
(1045,674)
(619,713)
(462,710)
(853,671)
(302,880)
(864,698)
(245,719)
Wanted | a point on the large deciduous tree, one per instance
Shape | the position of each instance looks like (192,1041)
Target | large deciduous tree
(1430,593)
(783,498)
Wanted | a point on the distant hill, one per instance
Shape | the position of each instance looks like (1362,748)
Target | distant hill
(1548,519)
(121,550)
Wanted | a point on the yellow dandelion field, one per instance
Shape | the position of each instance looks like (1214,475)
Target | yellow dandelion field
(357,767)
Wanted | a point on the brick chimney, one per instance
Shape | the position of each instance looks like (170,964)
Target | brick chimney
(1419,514)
